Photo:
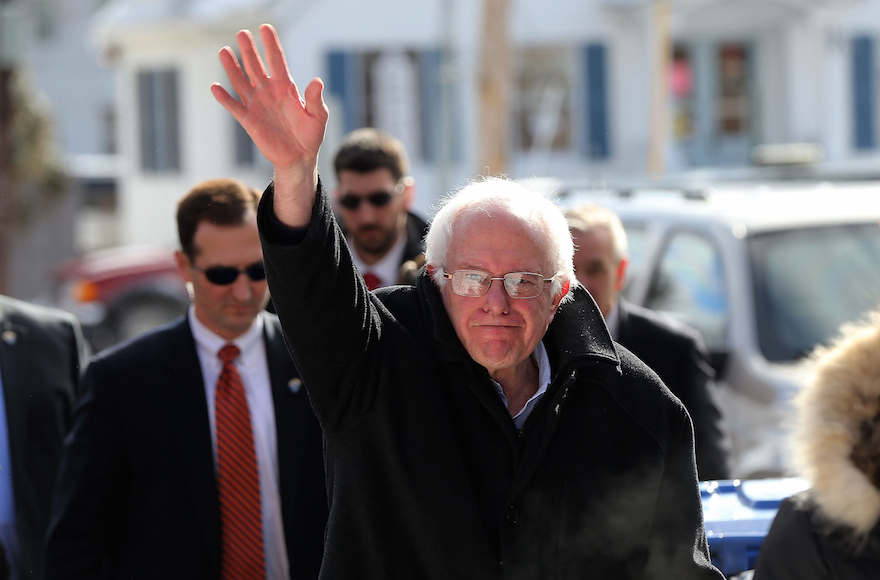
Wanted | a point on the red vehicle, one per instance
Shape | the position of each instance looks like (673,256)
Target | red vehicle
(121,292)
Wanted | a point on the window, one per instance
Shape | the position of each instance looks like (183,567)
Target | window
(159,120)
(809,281)
(689,285)
(543,99)
(546,103)
(734,107)
(397,91)
(681,84)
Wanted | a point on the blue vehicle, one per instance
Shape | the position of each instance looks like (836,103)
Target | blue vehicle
(737,517)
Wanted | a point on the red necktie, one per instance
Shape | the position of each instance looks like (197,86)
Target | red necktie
(238,481)
(372,281)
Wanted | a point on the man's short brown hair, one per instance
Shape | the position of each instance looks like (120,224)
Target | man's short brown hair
(223,201)
(365,150)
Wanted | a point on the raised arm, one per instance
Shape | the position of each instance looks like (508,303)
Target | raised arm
(287,129)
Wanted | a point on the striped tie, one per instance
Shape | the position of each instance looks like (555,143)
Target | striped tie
(372,281)
(238,481)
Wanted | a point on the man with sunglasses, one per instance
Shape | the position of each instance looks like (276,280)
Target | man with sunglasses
(195,452)
(481,424)
(373,196)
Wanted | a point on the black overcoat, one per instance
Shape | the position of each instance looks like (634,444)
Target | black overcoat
(427,474)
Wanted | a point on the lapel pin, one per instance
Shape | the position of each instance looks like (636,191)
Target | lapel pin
(294,385)
(9,337)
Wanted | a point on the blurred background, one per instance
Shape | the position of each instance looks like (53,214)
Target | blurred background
(106,118)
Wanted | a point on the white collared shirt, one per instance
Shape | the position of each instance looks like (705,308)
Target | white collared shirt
(543,361)
(612,321)
(254,371)
(388,268)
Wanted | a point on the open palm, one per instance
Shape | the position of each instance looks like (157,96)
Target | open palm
(286,129)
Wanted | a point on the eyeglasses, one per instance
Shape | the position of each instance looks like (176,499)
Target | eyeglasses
(475,283)
(376,199)
(226,275)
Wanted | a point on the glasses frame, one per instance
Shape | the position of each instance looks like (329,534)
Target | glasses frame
(256,272)
(491,279)
(377,199)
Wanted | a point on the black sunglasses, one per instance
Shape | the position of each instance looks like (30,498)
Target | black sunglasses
(378,199)
(226,275)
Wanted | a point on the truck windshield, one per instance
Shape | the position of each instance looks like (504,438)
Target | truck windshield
(809,281)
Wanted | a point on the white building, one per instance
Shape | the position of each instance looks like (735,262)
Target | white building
(70,82)
(742,73)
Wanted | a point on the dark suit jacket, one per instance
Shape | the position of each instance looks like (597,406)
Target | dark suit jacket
(42,353)
(676,352)
(137,494)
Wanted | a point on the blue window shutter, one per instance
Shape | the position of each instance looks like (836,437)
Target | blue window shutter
(429,102)
(863,92)
(597,142)
(344,81)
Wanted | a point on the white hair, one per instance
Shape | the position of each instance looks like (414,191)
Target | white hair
(589,216)
(536,212)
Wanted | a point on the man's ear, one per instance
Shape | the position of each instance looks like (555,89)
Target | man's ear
(184,266)
(431,269)
(620,274)
(566,286)
(409,191)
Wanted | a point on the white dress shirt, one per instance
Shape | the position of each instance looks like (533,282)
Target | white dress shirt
(254,371)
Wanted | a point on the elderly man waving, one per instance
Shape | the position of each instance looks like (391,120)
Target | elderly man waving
(481,424)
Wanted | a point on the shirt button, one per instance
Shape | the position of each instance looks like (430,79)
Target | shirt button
(512,515)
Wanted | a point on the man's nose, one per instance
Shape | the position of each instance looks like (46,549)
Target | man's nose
(365,211)
(497,299)
(241,288)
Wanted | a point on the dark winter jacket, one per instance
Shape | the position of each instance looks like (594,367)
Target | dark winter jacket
(832,530)
(427,474)
(677,353)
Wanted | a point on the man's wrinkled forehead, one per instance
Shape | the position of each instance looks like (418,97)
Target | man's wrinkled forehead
(473,220)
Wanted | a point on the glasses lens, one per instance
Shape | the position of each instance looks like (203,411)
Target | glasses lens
(221,275)
(523,284)
(256,272)
(379,199)
(470,282)
(350,201)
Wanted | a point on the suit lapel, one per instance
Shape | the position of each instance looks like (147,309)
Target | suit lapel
(190,433)
(13,350)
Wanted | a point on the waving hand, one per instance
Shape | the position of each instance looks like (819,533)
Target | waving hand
(287,129)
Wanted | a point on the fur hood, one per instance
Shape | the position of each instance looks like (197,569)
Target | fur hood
(837,420)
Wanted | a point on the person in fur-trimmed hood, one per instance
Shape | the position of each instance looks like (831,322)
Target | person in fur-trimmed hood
(831,530)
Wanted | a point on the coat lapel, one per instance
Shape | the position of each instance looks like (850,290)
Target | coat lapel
(13,346)
(190,433)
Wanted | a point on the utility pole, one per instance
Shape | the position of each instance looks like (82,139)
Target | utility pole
(8,58)
(658,119)
(495,84)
